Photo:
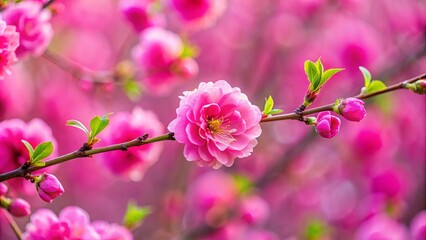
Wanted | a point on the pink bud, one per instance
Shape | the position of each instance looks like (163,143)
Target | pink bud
(49,187)
(19,207)
(327,125)
(352,109)
(420,86)
(186,68)
(3,189)
(418,226)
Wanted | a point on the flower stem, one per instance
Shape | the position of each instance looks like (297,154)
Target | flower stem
(142,140)
(13,225)
(329,107)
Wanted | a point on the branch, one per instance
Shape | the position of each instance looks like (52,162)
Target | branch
(142,140)
(329,107)
(13,224)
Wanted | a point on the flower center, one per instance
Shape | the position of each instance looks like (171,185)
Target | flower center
(214,125)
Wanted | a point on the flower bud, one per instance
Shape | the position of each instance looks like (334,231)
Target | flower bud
(327,125)
(19,207)
(3,189)
(186,68)
(417,87)
(352,109)
(48,187)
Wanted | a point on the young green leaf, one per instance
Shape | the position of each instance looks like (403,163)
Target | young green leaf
(97,124)
(275,111)
(42,151)
(132,89)
(79,125)
(328,74)
(135,215)
(269,104)
(367,76)
(244,185)
(320,67)
(374,86)
(29,148)
(312,73)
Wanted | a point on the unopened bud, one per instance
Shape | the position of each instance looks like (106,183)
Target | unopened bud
(19,207)
(48,187)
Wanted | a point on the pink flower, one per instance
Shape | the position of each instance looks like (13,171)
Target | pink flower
(141,14)
(381,227)
(113,231)
(418,226)
(352,109)
(200,12)
(216,123)
(13,152)
(327,125)
(158,55)
(72,223)
(3,189)
(9,42)
(254,210)
(48,187)
(125,127)
(19,207)
(210,197)
(33,24)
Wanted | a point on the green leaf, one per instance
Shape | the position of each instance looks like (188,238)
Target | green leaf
(38,164)
(132,89)
(367,76)
(29,148)
(188,51)
(42,151)
(374,86)
(244,185)
(320,67)
(312,73)
(79,125)
(269,104)
(97,124)
(315,230)
(275,111)
(135,215)
(328,74)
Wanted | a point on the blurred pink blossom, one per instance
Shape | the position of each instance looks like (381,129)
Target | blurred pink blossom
(418,226)
(254,210)
(33,24)
(126,126)
(19,207)
(9,42)
(3,189)
(14,153)
(111,231)
(201,13)
(216,123)
(72,223)
(141,14)
(381,227)
(327,125)
(158,55)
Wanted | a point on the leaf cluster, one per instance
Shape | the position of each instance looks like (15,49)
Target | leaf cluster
(316,74)
(42,151)
(97,125)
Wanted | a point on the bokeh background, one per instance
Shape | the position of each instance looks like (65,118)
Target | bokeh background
(304,186)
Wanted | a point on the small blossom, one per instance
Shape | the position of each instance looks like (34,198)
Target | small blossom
(9,42)
(381,227)
(3,189)
(327,125)
(141,14)
(254,210)
(216,123)
(72,223)
(418,226)
(202,13)
(352,109)
(134,162)
(112,231)
(33,24)
(19,207)
(158,56)
(48,187)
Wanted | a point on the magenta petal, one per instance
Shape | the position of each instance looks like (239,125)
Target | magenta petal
(190,152)
(192,132)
